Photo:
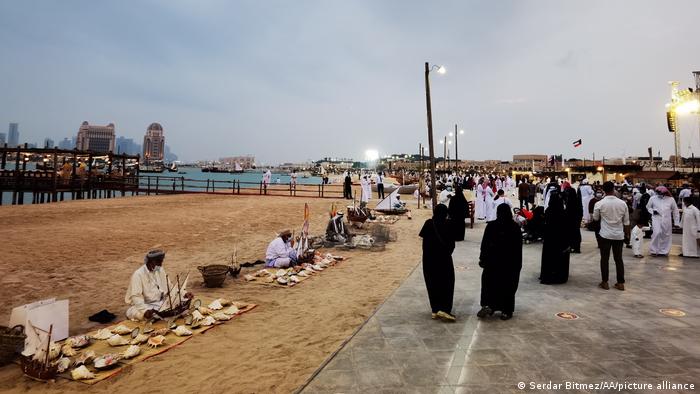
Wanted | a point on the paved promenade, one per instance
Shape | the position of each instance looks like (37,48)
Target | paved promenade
(619,336)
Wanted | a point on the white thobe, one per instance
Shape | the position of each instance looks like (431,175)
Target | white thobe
(488,203)
(148,290)
(366,190)
(495,204)
(279,254)
(586,196)
(691,226)
(267,177)
(479,204)
(683,194)
(636,239)
(662,223)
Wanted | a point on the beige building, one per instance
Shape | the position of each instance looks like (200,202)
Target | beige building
(153,143)
(96,138)
(246,162)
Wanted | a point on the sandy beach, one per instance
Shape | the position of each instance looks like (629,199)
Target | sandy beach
(86,251)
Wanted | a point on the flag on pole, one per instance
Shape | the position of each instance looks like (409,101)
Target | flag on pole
(577,143)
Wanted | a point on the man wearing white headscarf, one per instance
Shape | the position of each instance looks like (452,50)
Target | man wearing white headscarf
(664,212)
(586,196)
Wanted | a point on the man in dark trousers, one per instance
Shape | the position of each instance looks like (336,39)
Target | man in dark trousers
(347,186)
(614,216)
(524,194)
(379,179)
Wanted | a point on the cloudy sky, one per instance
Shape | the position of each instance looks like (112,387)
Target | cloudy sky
(297,80)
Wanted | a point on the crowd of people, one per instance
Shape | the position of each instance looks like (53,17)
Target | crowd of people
(552,211)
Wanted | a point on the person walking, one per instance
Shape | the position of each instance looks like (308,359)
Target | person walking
(458,211)
(524,194)
(347,187)
(691,229)
(664,214)
(613,215)
(556,245)
(438,269)
(502,259)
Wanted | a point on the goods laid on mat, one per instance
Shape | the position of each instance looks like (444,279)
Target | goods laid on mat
(100,354)
(291,276)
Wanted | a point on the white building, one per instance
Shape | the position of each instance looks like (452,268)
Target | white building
(96,138)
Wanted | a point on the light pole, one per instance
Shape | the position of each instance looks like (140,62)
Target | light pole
(445,142)
(440,70)
(682,102)
(456,153)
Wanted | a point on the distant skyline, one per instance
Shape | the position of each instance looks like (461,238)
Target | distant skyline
(292,81)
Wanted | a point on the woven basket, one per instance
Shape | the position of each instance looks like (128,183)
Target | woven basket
(214,275)
(11,342)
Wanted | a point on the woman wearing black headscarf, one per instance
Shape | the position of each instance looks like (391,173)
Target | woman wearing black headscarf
(438,271)
(501,258)
(554,268)
(458,211)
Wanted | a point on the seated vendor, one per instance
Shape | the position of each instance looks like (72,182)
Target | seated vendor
(280,253)
(148,290)
(398,204)
(336,231)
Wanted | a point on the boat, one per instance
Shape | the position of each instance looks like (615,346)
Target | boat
(172,168)
(386,206)
(151,169)
(36,357)
(237,169)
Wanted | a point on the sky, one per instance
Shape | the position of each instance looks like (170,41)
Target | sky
(290,81)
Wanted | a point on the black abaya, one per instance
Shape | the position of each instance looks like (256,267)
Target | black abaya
(458,211)
(438,269)
(574,214)
(554,267)
(501,258)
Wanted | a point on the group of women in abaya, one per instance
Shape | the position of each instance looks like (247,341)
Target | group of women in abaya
(562,234)
(501,259)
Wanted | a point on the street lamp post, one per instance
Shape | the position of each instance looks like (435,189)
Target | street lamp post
(456,152)
(446,152)
(431,149)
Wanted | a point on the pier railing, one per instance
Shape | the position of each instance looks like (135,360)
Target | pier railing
(156,184)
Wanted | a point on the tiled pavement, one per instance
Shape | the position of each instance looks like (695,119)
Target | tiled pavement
(620,336)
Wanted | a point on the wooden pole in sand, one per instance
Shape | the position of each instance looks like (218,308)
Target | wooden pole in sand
(179,291)
(433,195)
(167,284)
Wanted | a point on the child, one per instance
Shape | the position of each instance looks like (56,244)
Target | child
(636,239)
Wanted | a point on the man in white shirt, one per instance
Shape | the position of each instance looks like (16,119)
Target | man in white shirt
(613,215)
(148,289)
(280,253)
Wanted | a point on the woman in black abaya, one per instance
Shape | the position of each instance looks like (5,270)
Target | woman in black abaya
(554,268)
(501,258)
(458,211)
(438,271)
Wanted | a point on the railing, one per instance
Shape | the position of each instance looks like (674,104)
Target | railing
(156,184)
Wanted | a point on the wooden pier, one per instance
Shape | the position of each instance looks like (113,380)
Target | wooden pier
(61,171)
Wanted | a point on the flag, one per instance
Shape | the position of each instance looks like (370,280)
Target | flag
(577,143)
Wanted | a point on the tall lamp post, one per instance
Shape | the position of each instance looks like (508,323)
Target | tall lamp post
(431,150)
(456,153)
(445,142)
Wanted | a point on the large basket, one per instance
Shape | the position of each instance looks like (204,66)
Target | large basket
(11,342)
(214,275)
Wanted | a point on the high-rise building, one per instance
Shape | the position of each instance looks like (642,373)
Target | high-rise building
(96,138)
(127,146)
(48,143)
(67,143)
(3,138)
(13,135)
(153,143)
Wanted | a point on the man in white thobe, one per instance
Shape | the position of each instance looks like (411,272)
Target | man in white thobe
(586,196)
(366,187)
(691,227)
(664,212)
(683,193)
(148,289)
(501,199)
(280,253)
(480,204)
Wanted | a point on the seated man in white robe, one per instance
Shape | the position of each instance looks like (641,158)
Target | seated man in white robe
(148,290)
(280,253)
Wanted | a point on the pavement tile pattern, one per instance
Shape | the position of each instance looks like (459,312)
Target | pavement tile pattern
(620,336)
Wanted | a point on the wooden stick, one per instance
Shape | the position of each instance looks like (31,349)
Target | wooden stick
(167,284)
(179,291)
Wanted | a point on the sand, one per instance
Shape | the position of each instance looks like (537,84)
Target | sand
(86,251)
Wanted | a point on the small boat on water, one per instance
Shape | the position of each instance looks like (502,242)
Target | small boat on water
(237,169)
(151,169)
(172,168)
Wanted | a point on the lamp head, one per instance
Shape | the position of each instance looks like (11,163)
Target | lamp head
(441,70)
